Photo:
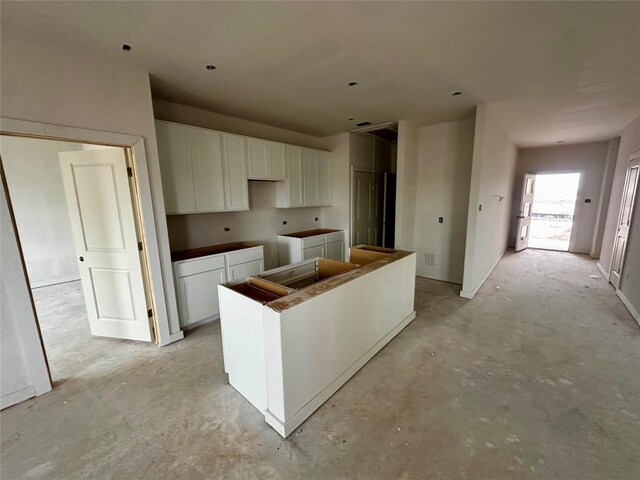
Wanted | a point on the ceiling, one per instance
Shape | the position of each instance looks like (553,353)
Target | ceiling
(566,71)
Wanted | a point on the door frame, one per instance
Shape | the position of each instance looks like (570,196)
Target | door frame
(158,273)
(576,210)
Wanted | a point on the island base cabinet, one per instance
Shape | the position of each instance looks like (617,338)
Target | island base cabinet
(289,357)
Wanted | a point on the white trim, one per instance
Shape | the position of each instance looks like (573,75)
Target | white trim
(158,254)
(286,428)
(17,397)
(432,276)
(604,273)
(632,310)
(472,293)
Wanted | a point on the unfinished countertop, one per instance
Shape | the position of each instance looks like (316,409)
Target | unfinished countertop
(310,233)
(210,250)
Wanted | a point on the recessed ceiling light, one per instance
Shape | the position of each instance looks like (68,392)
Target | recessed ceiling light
(126,47)
(349,119)
(455,94)
(560,141)
(210,67)
(352,84)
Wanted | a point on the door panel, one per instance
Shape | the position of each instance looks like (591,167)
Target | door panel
(325,191)
(103,225)
(624,221)
(200,295)
(294,176)
(235,172)
(524,218)
(277,161)
(206,157)
(310,176)
(258,155)
(335,250)
(175,165)
(368,208)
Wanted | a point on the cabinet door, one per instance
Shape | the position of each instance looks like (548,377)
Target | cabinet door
(206,157)
(310,177)
(325,189)
(335,250)
(176,169)
(313,252)
(294,176)
(198,295)
(277,161)
(245,269)
(234,156)
(257,158)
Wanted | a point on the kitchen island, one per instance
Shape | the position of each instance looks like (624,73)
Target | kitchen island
(294,335)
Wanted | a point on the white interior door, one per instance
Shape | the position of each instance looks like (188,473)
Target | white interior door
(96,186)
(624,221)
(367,208)
(524,218)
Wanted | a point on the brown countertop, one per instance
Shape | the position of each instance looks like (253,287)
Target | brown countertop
(319,288)
(310,233)
(210,250)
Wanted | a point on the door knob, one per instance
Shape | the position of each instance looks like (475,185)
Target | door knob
(81,259)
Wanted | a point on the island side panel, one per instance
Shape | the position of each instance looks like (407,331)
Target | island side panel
(325,336)
(243,345)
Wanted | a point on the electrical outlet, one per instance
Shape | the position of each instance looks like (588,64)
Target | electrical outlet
(440,219)
(430,258)
(316,219)
(227,229)
(284,222)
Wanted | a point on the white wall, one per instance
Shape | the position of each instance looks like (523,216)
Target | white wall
(407,165)
(263,222)
(443,177)
(38,200)
(338,216)
(605,196)
(589,159)
(23,370)
(630,282)
(494,160)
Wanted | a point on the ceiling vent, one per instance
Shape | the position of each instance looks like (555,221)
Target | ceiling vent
(386,131)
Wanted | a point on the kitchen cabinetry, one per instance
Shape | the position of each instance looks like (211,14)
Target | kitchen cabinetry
(202,170)
(197,279)
(308,181)
(295,247)
(266,160)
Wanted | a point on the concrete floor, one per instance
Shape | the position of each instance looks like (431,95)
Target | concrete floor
(536,378)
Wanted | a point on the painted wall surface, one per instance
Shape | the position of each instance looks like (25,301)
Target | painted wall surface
(23,371)
(589,159)
(41,83)
(263,222)
(407,163)
(443,177)
(629,143)
(338,216)
(605,196)
(38,200)
(492,172)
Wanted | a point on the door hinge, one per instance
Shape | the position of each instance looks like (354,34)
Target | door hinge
(130,171)
(140,246)
(149,313)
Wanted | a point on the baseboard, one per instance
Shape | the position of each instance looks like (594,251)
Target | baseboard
(472,293)
(440,278)
(602,271)
(17,397)
(632,310)
(286,428)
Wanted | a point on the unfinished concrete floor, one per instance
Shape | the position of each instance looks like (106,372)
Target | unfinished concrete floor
(536,379)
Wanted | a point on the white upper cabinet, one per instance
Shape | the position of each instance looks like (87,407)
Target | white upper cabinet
(176,167)
(208,171)
(208,177)
(236,191)
(265,160)
(308,179)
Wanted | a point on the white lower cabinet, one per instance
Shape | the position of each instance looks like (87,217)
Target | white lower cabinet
(197,281)
(313,252)
(335,250)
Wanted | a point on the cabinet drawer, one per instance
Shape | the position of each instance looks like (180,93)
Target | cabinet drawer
(199,265)
(313,252)
(243,270)
(244,256)
(315,241)
(335,237)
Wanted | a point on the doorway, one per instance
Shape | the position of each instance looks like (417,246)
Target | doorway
(75,207)
(553,210)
